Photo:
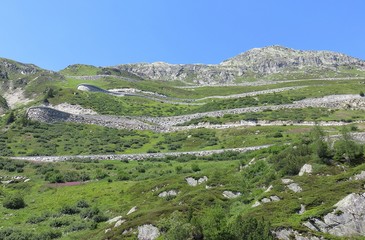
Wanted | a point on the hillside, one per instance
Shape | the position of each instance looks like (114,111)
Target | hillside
(266,145)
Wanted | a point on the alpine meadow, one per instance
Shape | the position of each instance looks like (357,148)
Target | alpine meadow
(268,144)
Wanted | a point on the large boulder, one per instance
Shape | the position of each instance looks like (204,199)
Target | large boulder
(346,220)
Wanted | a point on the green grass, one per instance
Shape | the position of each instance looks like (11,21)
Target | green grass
(114,197)
(295,115)
(81,139)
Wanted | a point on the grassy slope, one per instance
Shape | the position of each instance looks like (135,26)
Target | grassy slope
(115,197)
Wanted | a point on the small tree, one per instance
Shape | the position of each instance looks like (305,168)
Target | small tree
(362,94)
(14,202)
(10,118)
(348,150)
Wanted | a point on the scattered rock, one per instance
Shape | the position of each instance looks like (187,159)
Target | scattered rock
(286,181)
(256,204)
(295,187)
(7,182)
(127,231)
(133,209)
(275,198)
(194,182)
(113,220)
(230,194)
(266,200)
(302,209)
(148,232)
(119,222)
(269,189)
(307,168)
(168,193)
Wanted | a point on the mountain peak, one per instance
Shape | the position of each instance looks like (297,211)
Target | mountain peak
(273,58)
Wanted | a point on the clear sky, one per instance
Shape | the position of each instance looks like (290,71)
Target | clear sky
(54,34)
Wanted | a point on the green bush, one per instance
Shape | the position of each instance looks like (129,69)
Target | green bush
(14,202)
(69,210)
(195,167)
(82,204)
(57,223)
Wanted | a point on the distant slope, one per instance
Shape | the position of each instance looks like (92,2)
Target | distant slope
(268,62)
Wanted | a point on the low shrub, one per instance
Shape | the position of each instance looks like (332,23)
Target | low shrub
(14,202)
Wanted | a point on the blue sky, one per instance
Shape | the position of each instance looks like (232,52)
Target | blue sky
(55,34)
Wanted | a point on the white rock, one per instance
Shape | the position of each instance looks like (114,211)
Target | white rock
(265,200)
(269,188)
(286,181)
(194,182)
(133,209)
(302,209)
(119,222)
(168,193)
(107,230)
(275,198)
(202,179)
(230,194)
(113,220)
(289,234)
(346,220)
(256,204)
(191,181)
(148,232)
(307,168)
(295,187)
(359,176)
(27,180)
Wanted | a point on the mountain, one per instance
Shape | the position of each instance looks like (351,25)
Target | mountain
(266,63)
(115,153)
(20,82)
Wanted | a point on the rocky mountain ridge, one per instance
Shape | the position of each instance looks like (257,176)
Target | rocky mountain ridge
(254,64)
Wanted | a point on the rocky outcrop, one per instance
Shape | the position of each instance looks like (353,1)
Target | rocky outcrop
(258,62)
(10,67)
(290,234)
(148,232)
(275,59)
(359,176)
(346,220)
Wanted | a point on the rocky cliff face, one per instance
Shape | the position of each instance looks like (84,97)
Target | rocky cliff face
(255,63)
(10,68)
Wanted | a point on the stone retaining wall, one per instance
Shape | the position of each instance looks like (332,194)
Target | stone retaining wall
(136,157)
